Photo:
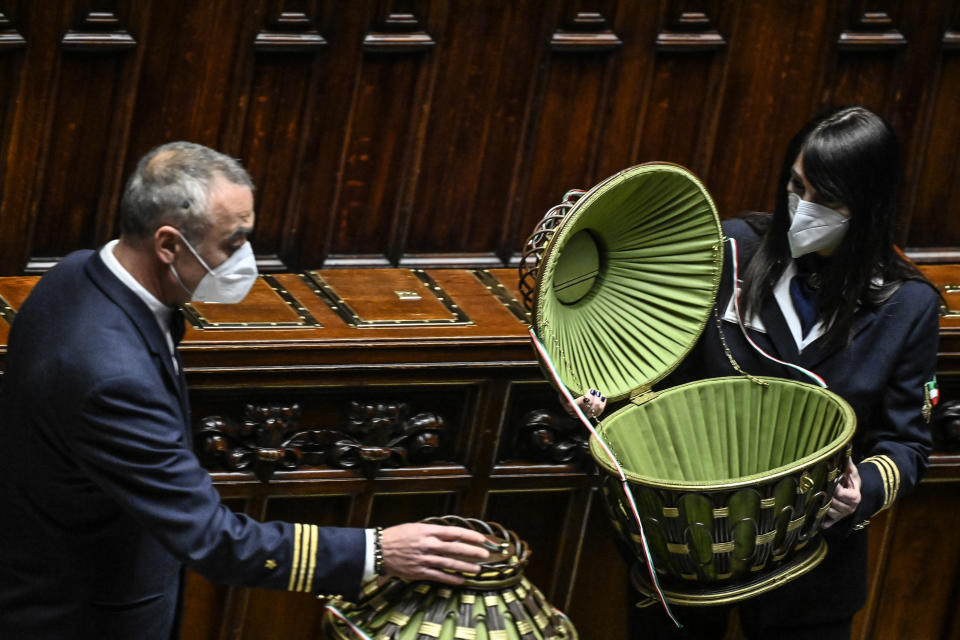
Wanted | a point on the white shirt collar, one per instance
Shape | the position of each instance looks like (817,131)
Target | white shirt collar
(781,292)
(160,311)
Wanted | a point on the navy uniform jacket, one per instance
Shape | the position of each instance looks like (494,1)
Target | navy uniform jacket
(881,373)
(103,498)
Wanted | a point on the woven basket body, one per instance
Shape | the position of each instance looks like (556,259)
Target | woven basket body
(732,477)
(498,604)
(732,480)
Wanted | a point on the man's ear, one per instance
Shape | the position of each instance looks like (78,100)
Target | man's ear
(166,243)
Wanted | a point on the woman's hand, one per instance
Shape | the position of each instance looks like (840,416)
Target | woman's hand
(592,404)
(420,551)
(847,497)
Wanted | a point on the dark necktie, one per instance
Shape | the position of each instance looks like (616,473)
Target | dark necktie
(177,327)
(806,301)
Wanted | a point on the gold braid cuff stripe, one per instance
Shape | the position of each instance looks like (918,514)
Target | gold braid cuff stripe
(304,557)
(890,474)
(304,564)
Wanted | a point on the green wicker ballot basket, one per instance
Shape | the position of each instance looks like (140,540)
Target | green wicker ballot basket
(498,604)
(732,476)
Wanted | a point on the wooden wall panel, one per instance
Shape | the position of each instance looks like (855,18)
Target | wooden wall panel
(475,131)
(937,165)
(94,81)
(384,140)
(12,48)
(915,593)
(428,133)
(774,74)
(677,126)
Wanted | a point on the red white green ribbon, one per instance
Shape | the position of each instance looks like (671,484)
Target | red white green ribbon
(623,478)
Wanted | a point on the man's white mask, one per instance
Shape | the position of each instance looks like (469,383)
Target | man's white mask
(813,227)
(230,282)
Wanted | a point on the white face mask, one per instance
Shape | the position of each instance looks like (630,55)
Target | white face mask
(230,282)
(813,227)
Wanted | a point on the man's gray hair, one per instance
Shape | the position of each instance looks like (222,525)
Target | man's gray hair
(172,185)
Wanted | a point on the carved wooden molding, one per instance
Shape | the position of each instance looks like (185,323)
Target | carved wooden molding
(587,31)
(548,437)
(100,32)
(270,438)
(10,38)
(398,33)
(291,32)
(691,31)
(874,31)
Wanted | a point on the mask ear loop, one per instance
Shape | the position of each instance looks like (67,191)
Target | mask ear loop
(743,329)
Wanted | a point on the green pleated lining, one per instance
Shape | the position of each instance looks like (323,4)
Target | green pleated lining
(725,430)
(661,257)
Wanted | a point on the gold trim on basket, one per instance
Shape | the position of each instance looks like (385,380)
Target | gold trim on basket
(523,626)
(728,595)
(766,536)
(465,633)
(431,629)
(398,619)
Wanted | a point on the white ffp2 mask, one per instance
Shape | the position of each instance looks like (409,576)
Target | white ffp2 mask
(813,227)
(230,282)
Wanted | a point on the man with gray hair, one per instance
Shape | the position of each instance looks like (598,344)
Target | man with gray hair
(104,498)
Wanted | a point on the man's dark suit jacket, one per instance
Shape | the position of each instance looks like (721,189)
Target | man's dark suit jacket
(103,498)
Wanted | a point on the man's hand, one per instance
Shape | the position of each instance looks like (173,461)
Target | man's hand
(419,551)
(592,404)
(847,497)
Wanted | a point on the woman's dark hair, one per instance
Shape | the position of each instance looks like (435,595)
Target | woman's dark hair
(850,156)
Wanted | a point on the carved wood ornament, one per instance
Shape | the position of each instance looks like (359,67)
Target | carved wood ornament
(271,438)
(545,436)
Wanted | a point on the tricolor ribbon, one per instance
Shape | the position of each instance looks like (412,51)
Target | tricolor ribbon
(545,357)
(743,329)
(347,621)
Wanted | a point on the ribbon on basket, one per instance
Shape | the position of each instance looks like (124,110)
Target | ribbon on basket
(623,478)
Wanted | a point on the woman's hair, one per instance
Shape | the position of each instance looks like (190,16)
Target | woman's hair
(850,156)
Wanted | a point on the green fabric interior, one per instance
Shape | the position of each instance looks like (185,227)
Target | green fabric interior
(725,430)
(660,253)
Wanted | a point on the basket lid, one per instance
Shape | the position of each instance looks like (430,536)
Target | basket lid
(628,279)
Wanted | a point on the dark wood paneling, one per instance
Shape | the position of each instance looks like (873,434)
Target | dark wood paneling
(431,133)
(12,54)
(774,75)
(462,189)
(384,142)
(917,581)
(936,164)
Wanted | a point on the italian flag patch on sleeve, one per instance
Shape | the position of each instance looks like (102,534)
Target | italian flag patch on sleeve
(931,396)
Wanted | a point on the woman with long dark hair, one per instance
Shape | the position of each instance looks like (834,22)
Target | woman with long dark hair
(824,288)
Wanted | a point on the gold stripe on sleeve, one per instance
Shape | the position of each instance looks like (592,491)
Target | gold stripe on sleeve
(885,475)
(295,558)
(304,555)
(311,569)
(895,478)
